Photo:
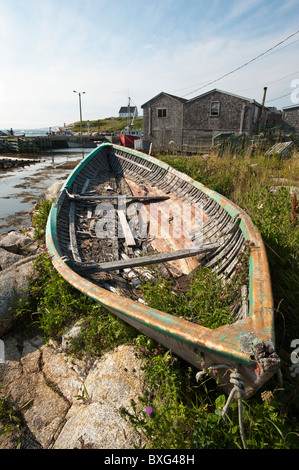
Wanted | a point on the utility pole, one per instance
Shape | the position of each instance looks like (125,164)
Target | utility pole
(263,106)
(80,107)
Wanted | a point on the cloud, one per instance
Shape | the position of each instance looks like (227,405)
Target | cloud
(157,46)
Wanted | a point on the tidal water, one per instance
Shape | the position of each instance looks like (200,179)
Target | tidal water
(20,188)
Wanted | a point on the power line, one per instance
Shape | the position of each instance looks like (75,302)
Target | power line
(244,65)
(274,52)
(287,45)
(268,83)
(283,96)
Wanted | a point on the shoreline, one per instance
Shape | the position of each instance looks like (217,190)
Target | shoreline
(22,187)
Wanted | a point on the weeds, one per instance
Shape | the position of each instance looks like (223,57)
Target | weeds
(175,413)
(40,218)
(11,421)
(205,300)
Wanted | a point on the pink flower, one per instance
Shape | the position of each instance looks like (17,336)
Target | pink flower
(149,410)
(203,364)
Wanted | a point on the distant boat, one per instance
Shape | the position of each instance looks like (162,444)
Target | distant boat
(94,246)
(129,135)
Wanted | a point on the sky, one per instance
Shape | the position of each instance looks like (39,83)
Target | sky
(113,49)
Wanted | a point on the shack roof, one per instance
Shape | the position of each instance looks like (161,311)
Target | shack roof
(124,109)
(289,108)
(182,100)
(225,93)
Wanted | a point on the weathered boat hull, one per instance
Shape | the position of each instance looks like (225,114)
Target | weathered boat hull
(247,345)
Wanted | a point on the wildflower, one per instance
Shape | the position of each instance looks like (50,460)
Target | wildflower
(271,191)
(202,363)
(149,410)
(215,372)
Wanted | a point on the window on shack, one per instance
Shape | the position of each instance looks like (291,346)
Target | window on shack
(215,108)
(162,112)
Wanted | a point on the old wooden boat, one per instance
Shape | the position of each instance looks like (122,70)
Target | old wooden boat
(106,229)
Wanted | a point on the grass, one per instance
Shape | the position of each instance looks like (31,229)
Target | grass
(204,300)
(11,422)
(175,412)
(111,124)
(39,219)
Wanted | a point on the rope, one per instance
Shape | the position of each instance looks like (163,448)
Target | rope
(238,390)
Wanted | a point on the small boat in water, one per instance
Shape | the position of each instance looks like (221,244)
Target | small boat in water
(129,136)
(122,214)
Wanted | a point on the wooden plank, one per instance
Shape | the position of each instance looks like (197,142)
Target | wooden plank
(124,197)
(152,259)
(130,241)
(72,233)
(117,155)
(85,186)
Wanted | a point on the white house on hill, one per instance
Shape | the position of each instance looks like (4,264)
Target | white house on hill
(124,111)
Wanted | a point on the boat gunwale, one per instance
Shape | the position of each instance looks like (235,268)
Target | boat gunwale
(224,341)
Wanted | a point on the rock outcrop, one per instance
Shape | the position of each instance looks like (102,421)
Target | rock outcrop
(17,254)
(69,404)
(18,251)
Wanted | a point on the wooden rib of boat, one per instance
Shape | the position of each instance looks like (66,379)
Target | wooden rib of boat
(100,236)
